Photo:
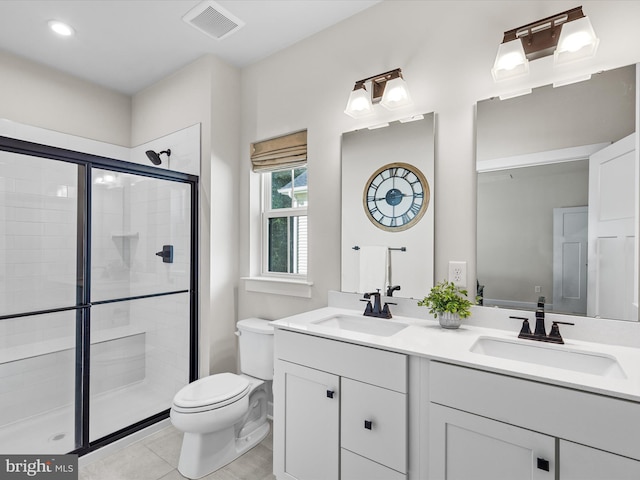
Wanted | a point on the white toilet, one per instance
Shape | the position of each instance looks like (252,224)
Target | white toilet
(224,415)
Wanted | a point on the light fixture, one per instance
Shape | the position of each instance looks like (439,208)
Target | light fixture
(388,89)
(61,28)
(569,36)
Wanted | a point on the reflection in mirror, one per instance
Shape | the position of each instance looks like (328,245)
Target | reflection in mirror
(557,185)
(387,208)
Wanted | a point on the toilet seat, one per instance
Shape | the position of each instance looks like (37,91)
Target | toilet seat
(212,392)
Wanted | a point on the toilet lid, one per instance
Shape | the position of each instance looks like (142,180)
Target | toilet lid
(211,390)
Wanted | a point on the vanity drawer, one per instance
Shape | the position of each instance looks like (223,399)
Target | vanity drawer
(384,439)
(608,423)
(371,365)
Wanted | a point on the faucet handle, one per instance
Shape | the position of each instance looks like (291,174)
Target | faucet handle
(554,334)
(525,330)
(386,313)
(368,309)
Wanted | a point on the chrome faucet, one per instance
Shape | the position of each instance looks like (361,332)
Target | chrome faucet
(540,333)
(376,310)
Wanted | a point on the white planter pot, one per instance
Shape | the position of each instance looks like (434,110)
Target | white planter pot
(449,320)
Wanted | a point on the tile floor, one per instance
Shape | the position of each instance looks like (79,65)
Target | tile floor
(156,458)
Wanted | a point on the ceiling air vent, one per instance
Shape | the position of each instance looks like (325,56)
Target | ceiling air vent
(213,20)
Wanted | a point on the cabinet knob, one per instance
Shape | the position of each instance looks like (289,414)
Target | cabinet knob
(543,464)
(368,424)
(330,393)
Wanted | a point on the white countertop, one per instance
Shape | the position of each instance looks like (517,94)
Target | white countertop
(425,338)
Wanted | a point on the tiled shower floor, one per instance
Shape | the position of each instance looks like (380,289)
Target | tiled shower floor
(53,432)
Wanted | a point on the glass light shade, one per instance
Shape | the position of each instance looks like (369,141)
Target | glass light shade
(577,41)
(511,61)
(396,94)
(359,104)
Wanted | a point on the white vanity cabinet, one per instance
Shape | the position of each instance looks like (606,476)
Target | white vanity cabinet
(340,410)
(489,426)
(311,421)
(466,446)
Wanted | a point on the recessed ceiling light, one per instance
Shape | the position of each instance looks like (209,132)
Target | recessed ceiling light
(61,28)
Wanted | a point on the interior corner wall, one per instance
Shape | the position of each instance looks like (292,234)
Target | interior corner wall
(205,92)
(40,96)
(307,86)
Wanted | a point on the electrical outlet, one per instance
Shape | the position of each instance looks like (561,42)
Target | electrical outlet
(458,273)
(538,288)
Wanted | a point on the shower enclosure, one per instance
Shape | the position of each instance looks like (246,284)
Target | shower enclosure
(97,296)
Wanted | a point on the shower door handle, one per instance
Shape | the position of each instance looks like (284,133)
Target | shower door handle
(166,253)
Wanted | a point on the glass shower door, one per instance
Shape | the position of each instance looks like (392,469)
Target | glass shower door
(40,294)
(140,297)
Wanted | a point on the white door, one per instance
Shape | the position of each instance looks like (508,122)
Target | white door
(570,260)
(307,416)
(463,446)
(612,287)
(578,462)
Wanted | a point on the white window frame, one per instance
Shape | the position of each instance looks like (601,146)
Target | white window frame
(267,214)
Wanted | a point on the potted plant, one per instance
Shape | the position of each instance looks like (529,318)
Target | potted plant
(448,303)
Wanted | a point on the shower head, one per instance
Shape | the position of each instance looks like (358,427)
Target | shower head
(155,157)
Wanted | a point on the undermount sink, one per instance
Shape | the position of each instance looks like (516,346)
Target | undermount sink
(369,325)
(555,356)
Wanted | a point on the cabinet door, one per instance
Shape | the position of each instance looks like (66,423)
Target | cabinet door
(306,419)
(578,462)
(463,446)
(374,423)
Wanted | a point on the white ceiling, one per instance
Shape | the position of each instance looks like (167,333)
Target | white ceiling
(126,45)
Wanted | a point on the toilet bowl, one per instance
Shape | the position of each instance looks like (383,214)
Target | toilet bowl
(224,415)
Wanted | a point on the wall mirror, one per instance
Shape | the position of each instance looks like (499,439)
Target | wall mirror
(557,198)
(387,206)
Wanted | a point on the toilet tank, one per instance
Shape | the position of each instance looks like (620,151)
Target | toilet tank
(256,348)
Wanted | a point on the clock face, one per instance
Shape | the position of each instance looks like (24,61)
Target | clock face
(396,197)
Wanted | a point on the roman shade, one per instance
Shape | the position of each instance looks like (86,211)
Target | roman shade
(287,151)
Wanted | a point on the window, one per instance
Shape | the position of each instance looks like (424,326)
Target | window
(285,221)
(282,163)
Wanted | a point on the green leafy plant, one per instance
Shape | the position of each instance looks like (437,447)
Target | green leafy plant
(446,297)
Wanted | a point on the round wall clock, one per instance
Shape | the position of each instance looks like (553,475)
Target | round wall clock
(396,196)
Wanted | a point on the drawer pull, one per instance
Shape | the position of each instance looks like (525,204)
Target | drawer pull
(368,424)
(330,393)
(543,464)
